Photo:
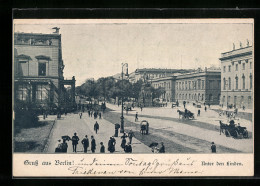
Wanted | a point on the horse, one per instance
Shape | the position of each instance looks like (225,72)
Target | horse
(181,113)
(222,127)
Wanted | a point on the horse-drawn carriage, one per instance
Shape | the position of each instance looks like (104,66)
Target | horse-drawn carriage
(144,125)
(186,114)
(233,130)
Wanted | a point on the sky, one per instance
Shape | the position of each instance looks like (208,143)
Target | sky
(96,49)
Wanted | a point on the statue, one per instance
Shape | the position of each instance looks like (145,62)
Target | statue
(247,42)
(234,46)
(241,44)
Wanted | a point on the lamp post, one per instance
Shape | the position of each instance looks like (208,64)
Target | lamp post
(122,130)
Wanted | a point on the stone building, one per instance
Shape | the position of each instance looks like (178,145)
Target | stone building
(237,77)
(168,83)
(202,86)
(38,71)
(155,73)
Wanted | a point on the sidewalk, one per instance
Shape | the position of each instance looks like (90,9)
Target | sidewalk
(71,123)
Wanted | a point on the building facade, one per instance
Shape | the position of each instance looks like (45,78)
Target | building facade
(155,73)
(168,84)
(38,71)
(237,77)
(203,86)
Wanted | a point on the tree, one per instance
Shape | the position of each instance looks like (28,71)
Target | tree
(137,88)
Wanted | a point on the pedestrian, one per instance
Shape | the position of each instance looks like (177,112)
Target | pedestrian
(124,135)
(91,113)
(147,128)
(131,135)
(205,108)
(64,146)
(141,108)
(198,113)
(111,147)
(96,127)
(75,140)
(58,146)
(102,148)
(128,148)
(162,149)
(99,115)
(123,143)
(136,117)
(93,144)
(213,148)
(80,115)
(85,143)
(88,113)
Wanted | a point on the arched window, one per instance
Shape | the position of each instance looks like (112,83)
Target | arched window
(224,83)
(236,82)
(229,83)
(251,81)
(244,82)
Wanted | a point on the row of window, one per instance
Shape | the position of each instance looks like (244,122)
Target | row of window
(236,100)
(190,85)
(163,85)
(228,83)
(236,67)
(24,92)
(197,97)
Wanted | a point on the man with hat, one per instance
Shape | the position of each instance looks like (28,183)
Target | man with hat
(85,143)
(213,148)
(58,146)
(75,140)
(93,144)
(102,148)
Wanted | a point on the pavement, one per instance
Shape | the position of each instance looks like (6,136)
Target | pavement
(71,123)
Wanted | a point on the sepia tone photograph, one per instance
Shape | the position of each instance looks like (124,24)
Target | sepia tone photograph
(133,86)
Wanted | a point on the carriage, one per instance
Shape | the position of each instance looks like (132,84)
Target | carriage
(186,114)
(233,130)
(144,126)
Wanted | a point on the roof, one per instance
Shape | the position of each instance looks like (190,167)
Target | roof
(162,70)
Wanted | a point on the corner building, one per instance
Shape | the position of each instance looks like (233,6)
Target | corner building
(237,77)
(38,71)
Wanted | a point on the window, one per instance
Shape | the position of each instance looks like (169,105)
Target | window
(199,82)
(249,100)
(202,84)
(195,85)
(251,81)
(186,87)
(236,82)
(202,97)
(228,99)
(236,67)
(244,66)
(250,65)
(235,100)
(22,92)
(224,69)
(224,83)
(42,69)
(189,85)
(229,83)
(229,68)
(41,92)
(244,82)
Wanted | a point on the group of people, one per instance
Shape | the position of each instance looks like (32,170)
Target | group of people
(62,147)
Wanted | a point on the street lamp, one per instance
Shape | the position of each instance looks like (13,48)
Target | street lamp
(122,130)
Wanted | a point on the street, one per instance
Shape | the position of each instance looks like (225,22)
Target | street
(178,136)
